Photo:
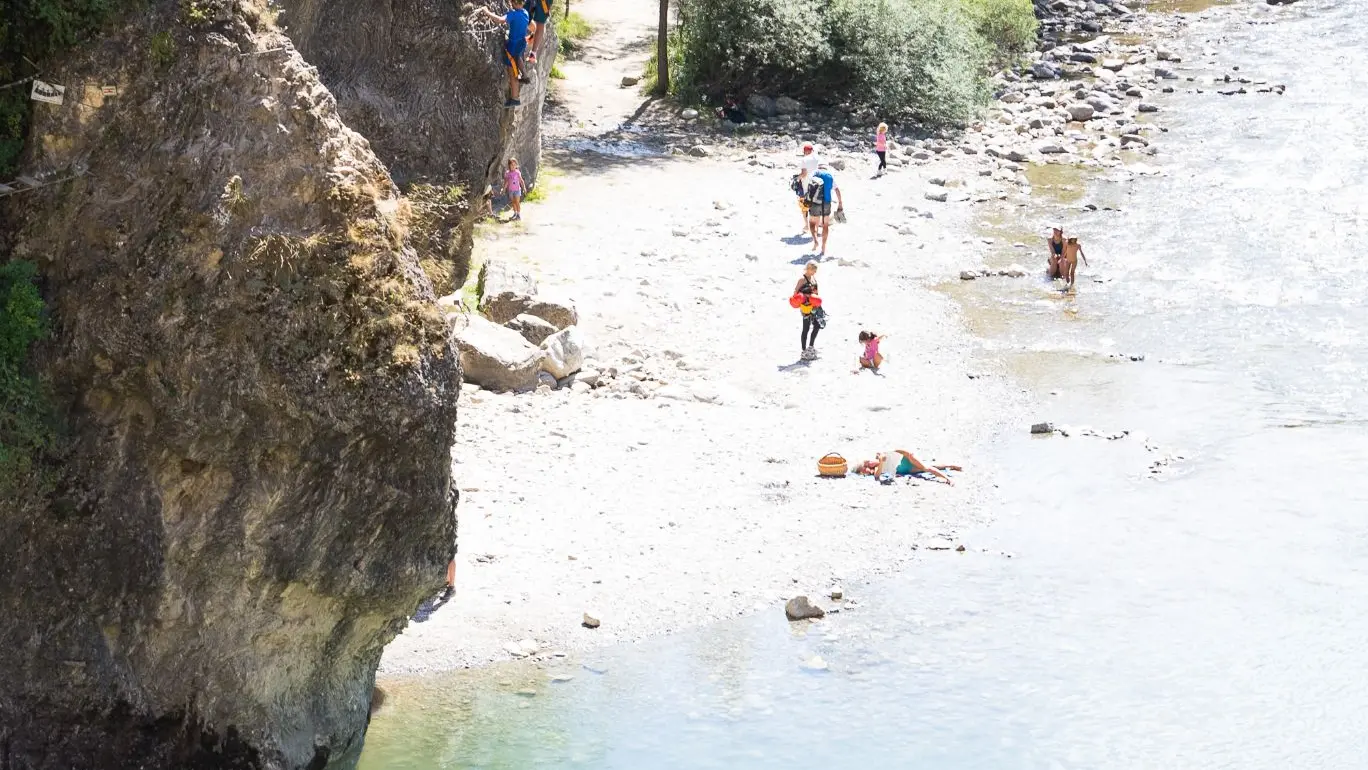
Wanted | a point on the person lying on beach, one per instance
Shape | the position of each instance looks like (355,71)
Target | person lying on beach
(907,465)
(1068,264)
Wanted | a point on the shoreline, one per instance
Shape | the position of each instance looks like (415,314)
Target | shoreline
(700,446)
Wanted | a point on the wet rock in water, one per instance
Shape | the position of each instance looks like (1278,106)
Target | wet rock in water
(1042,427)
(1164,73)
(533,329)
(798,608)
(1052,149)
(1128,139)
(1164,54)
(564,352)
(699,151)
(1081,111)
(1044,71)
(495,357)
(590,621)
(815,663)
(628,81)
(1147,107)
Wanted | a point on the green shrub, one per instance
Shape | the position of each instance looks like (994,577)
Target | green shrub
(572,30)
(907,57)
(25,425)
(738,46)
(1008,26)
(923,59)
(678,87)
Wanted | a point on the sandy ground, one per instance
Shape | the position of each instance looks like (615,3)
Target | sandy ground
(701,501)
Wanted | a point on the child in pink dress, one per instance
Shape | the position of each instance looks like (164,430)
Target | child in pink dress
(870,358)
(513,186)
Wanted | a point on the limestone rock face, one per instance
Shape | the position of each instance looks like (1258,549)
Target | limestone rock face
(257,396)
(424,81)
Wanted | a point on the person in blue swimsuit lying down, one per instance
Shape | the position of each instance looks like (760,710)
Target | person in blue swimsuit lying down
(900,462)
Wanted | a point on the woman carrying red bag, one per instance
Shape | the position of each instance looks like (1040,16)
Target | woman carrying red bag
(809,303)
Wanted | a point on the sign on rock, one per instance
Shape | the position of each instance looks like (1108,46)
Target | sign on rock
(47,92)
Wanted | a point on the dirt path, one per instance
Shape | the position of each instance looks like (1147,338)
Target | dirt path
(687,491)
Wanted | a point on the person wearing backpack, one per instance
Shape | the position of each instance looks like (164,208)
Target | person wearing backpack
(517,22)
(805,172)
(821,189)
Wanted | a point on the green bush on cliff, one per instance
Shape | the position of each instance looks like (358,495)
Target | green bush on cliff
(25,430)
(925,59)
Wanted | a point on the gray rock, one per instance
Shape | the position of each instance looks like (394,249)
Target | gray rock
(689,114)
(1080,111)
(564,352)
(938,194)
(968,275)
(590,621)
(1042,427)
(1133,139)
(1147,107)
(560,312)
(699,151)
(1017,156)
(533,329)
(1052,149)
(497,358)
(504,291)
(798,608)
(1164,73)
(628,81)
(1044,71)
(837,594)
(1082,57)
(1164,54)
(787,106)
(1114,65)
(838,164)
(761,106)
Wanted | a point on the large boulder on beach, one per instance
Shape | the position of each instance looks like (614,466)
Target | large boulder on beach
(785,105)
(504,291)
(533,329)
(560,312)
(564,353)
(497,358)
(761,106)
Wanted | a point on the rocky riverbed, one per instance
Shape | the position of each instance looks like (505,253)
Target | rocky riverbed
(672,479)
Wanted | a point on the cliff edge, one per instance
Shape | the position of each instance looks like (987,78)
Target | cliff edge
(257,396)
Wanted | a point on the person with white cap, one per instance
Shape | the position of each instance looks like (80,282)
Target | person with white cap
(805,172)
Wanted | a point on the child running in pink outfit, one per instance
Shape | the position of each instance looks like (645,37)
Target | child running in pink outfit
(513,187)
(870,358)
(881,148)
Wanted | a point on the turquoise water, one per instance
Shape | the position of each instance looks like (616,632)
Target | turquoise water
(1208,616)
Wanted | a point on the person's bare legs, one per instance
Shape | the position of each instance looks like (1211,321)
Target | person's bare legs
(919,467)
(516,200)
(514,87)
(812,229)
(826,231)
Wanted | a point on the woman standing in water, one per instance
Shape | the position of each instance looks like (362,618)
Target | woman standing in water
(1056,244)
(808,302)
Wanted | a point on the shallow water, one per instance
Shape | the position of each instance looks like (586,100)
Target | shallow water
(1203,616)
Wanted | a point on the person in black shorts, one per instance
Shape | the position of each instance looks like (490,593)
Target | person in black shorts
(540,11)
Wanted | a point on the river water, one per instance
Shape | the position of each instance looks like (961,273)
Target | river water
(1206,616)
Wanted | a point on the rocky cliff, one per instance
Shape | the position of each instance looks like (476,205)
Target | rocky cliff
(424,81)
(258,403)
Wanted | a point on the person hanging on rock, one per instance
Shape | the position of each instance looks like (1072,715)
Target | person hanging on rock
(517,22)
(540,13)
(809,303)
(820,191)
(1056,245)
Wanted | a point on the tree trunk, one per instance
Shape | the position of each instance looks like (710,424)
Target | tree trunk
(663,50)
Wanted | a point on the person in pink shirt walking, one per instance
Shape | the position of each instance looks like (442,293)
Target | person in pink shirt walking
(881,148)
(513,187)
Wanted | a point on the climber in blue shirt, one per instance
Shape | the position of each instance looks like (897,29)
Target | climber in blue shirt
(517,20)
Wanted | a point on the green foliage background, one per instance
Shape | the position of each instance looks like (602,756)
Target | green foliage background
(26,430)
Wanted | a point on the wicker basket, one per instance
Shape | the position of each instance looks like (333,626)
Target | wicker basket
(832,465)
